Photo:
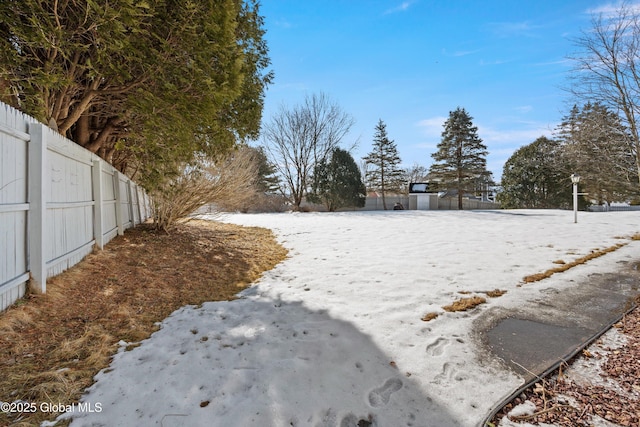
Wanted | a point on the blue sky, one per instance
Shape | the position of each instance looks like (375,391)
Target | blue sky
(410,63)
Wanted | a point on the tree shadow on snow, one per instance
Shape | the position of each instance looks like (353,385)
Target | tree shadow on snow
(257,362)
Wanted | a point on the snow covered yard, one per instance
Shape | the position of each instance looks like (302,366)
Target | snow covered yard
(333,336)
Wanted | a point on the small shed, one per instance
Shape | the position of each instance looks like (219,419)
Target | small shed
(420,198)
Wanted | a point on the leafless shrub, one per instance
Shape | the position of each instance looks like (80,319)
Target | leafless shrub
(228,182)
(268,203)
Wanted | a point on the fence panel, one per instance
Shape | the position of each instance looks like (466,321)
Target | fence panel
(451,203)
(375,203)
(57,200)
(613,208)
(13,205)
(109,203)
(125,201)
(445,203)
(69,203)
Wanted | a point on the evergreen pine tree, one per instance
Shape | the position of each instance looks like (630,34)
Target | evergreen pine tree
(385,174)
(535,176)
(599,148)
(460,162)
(268,181)
(337,182)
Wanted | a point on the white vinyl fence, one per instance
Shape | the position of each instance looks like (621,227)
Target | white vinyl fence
(451,203)
(57,200)
(445,203)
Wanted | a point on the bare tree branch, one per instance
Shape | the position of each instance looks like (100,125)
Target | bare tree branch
(606,68)
(298,139)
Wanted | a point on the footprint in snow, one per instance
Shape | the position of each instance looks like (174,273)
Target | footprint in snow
(449,373)
(350,420)
(437,347)
(381,395)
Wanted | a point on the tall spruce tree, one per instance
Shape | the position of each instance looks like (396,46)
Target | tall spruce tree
(385,174)
(460,162)
(337,182)
(599,148)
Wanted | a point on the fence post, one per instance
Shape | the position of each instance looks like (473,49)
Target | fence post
(132,214)
(116,178)
(37,206)
(98,230)
(139,203)
(147,206)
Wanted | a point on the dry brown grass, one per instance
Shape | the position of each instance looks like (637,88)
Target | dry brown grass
(495,293)
(429,316)
(567,265)
(52,345)
(465,304)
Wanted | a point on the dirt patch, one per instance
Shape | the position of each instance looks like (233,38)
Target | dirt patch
(52,345)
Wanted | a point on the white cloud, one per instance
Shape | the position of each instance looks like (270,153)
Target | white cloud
(524,108)
(460,53)
(283,23)
(611,9)
(501,142)
(527,133)
(400,8)
(511,29)
(605,9)
(567,62)
(512,137)
(495,62)
(432,126)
